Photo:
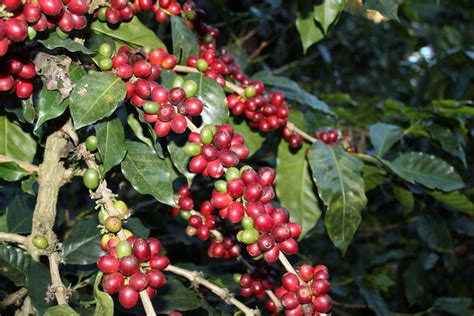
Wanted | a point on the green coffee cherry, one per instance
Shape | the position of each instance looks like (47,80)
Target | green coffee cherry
(249,236)
(40,242)
(105,64)
(202,65)
(192,149)
(105,49)
(102,216)
(232,173)
(247,222)
(250,91)
(207,133)
(178,82)
(151,107)
(185,214)
(190,87)
(236,277)
(101,14)
(221,185)
(91,143)
(121,208)
(31,33)
(91,179)
(207,38)
(123,249)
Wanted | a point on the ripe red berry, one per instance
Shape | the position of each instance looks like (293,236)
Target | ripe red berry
(156,278)
(193,106)
(272,254)
(186,203)
(222,140)
(169,61)
(179,124)
(289,300)
(141,250)
(31,12)
(235,212)
(129,265)
(333,136)
(15,30)
(112,15)
(176,95)
(289,246)
(266,176)
(197,164)
(220,199)
(304,294)
(108,264)
(263,223)
(280,215)
(215,169)
(235,188)
(159,262)
(320,287)
(322,303)
(78,7)
(203,232)
(142,69)
(128,297)
(157,55)
(155,246)
(138,281)
(306,272)
(253,192)
(111,283)
(290,282)
(6,82)
(249,176)
(51,7)
(162,128)
(265,242)
(253,249)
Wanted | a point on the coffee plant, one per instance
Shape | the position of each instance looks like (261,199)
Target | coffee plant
(154,161)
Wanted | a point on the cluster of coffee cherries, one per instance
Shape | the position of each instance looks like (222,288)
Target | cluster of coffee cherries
(305,293)
(257,282)
(194,18)
(333,138)
(294,139)
(164,8)
(16,74)
(215,148)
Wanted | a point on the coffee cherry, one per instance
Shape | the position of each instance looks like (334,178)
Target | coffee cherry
(176,95)
(112,283)
(228,158)
(91,179)
(141,250)
(250,91)
(202,65)
(91,143)
(320,287)
(215,169)
(168,61)
(289,246)
(150,107)
(155,246)
(306,272)
(186,203)
(290,282)
(123,249)
(51,7)
(121,208)
(108,264)
(179,124)
(156,278)
(157,55)
(113,224)
(142,69)
(235,212)
(27,71)
(247,222)
(197,164)
(253,192)
(78,7)
(138,281)
(193,106)
(222,140)
(6,82)
(249,235)
(304,294)
(322,303)
(265,243)
(162,128)
(40,242)
(159,262)
(272,254)
(23,89)
(289,300)
(129,265)
(128,297)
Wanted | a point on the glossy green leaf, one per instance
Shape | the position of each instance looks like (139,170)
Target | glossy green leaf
(95,97)
(14,142)
(375,300)
(175,296)
(53,41)
(373,176)
(388,8)
(133,33)
(309,32)
(213,97)
(27,185)
(253,138)
(14,264)
(155,141)
(60,310)
(38,280)
(427,170)
(10,171)
(135,225)
(185,43)
(104,304)
(341,188)
(450,143)
(147,173)
(459,306)
(138,130)
(50,105)
(455,200)
(292,91)
(295,188)
(179,158)
(28,110)
(327,12)
(20,214)
(434,233)
(384,136)
(82,246)
(111,142)
(404,196)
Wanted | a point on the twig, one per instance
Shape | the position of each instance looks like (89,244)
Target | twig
(274,299)
(350,306)
(284,261)
(306,136)
(14,298)
(57,285)
(104,195)
(30,168)
(13,238)
(196,278)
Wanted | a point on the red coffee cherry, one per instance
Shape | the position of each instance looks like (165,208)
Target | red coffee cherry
(142,69)
(235,212)
(128,297)
(289,246)
(15,30)
(290,282)
(108,264)
(156,278)
(162,128)
(289,300)
(113,282)
(129,265)
(138,281)
(155,246)
(141,250)
(322,303)
(179,124)
(320,287)
(159,262)
(51,7)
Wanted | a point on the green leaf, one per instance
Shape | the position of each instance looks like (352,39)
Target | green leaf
(380,281)
(14,264)
(10,171)
(375,300)
(341,187)
(111,142)
(27,185)
(157,146)
(82,246)
(295,189)
(20,214)
(414,278)
(448,140)
(455,200)
(253,139)
(327,12)
(95,97)
(104,304)
(213,97)
(147,173)
(53,41)
(28,110)
(50,105)
(133,33)
(373,176)
(453,305)
(384,136)
(135,225)
(38,280)
(435,233)
(60,310)
(292,91)
(175,296)
(14,142)
(309,32)
(185,43)
(388,8)
(404,196)
(427,170)
(179,158)
(138,130)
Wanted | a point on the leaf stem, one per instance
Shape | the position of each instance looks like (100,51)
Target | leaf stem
(13,238)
